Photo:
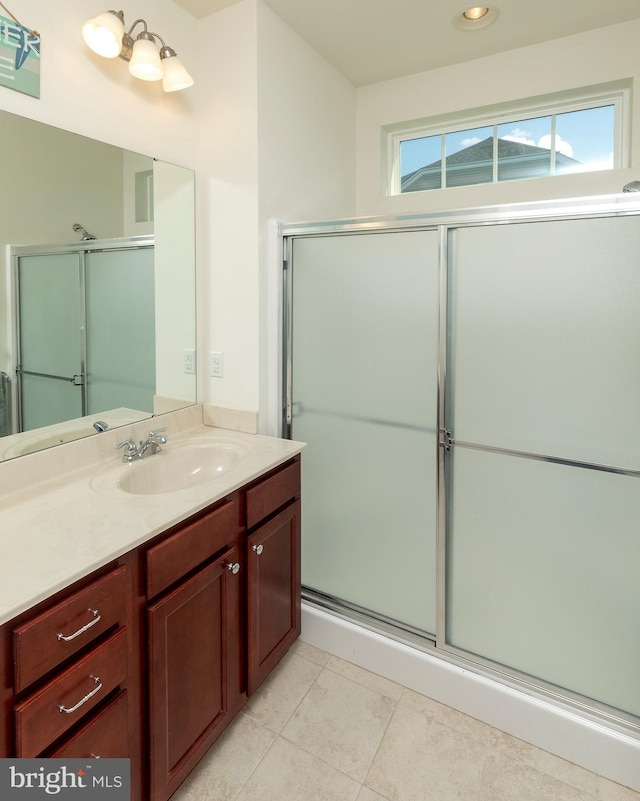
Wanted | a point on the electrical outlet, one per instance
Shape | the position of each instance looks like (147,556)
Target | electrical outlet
(215,364)
(189,361)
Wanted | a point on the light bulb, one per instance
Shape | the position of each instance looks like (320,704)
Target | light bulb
(145,60)
(175,75)
(477,12)
(104,34)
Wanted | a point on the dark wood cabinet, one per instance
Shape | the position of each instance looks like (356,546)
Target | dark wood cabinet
(273,593)
(72,674)
(152,656)
(195,637)
(104,736)
(273,569)
(48,712)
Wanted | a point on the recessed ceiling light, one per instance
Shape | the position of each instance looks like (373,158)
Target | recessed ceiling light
(477,12)
(475,17)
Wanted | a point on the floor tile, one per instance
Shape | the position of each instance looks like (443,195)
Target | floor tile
(319,727)
(288,773)
(365,677)
(465,724)
(279,695)
(610,791)
(310,652)
(341,722)
(505,779)
(225,769)
(367,794)
(561,769)
(420,759)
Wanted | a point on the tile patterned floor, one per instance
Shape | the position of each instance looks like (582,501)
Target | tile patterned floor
(322,729)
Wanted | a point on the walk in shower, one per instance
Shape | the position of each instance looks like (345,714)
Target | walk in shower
(85,329)
(468,387)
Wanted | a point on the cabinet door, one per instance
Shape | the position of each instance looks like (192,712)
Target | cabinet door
(194,670)
(273,592)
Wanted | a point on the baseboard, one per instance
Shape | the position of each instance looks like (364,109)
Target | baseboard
(585,742)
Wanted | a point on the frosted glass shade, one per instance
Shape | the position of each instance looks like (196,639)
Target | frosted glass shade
(175,75)
(104,34)
(145,61)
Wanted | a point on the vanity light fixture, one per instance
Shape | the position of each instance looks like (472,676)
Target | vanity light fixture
(475,17)
(106,36)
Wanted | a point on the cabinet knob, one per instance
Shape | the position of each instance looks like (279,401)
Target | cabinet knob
(234,567)
(258,548)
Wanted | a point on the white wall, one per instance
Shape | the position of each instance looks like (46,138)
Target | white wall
(298,165)
(306,168)
(277,134)
(87,94)
(174,272)
(228,308)
(600,56)
(48,184)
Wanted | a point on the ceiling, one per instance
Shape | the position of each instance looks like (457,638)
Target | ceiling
(374,40)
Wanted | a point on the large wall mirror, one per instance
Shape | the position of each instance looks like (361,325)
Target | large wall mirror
(97,252)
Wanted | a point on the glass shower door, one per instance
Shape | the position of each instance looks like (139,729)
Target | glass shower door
(51,339)
(121,354)
(544,365)
(364,395)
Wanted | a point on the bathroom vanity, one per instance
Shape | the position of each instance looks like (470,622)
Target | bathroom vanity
(151,653)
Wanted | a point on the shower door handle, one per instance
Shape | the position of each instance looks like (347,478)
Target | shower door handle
(77,379)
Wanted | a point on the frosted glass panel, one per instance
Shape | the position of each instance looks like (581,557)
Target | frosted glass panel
(121,361)
(543,565)
(46,401)
(545,344)
(364,390)
(50,325)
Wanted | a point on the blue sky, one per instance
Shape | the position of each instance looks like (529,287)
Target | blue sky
(586,136)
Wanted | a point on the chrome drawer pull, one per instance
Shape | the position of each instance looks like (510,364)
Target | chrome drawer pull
(234,567)
(96,619)
(84,700)
(258,549)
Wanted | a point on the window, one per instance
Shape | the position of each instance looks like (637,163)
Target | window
(557,136)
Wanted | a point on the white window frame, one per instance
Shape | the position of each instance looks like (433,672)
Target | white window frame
(617,95)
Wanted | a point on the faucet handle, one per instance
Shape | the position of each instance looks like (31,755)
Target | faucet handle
(157,431)
(129,444)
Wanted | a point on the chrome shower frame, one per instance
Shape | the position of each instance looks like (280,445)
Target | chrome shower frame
(624,204)
(82,248)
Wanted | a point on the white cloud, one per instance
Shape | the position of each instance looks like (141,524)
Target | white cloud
(516,138)
(518,135)
(472,140)
(561,145)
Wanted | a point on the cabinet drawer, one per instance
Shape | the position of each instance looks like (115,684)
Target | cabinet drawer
(49,712)
(48,639)
(272,493)
(180,553)
(105,735)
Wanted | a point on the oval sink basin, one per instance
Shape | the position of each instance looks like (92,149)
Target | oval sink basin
(180,468)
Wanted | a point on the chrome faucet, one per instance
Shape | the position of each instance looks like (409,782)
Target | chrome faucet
(133,452)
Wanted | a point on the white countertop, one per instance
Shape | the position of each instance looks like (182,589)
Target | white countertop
(62,514)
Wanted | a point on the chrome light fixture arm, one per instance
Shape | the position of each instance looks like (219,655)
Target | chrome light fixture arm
(128,41)
(106,35)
